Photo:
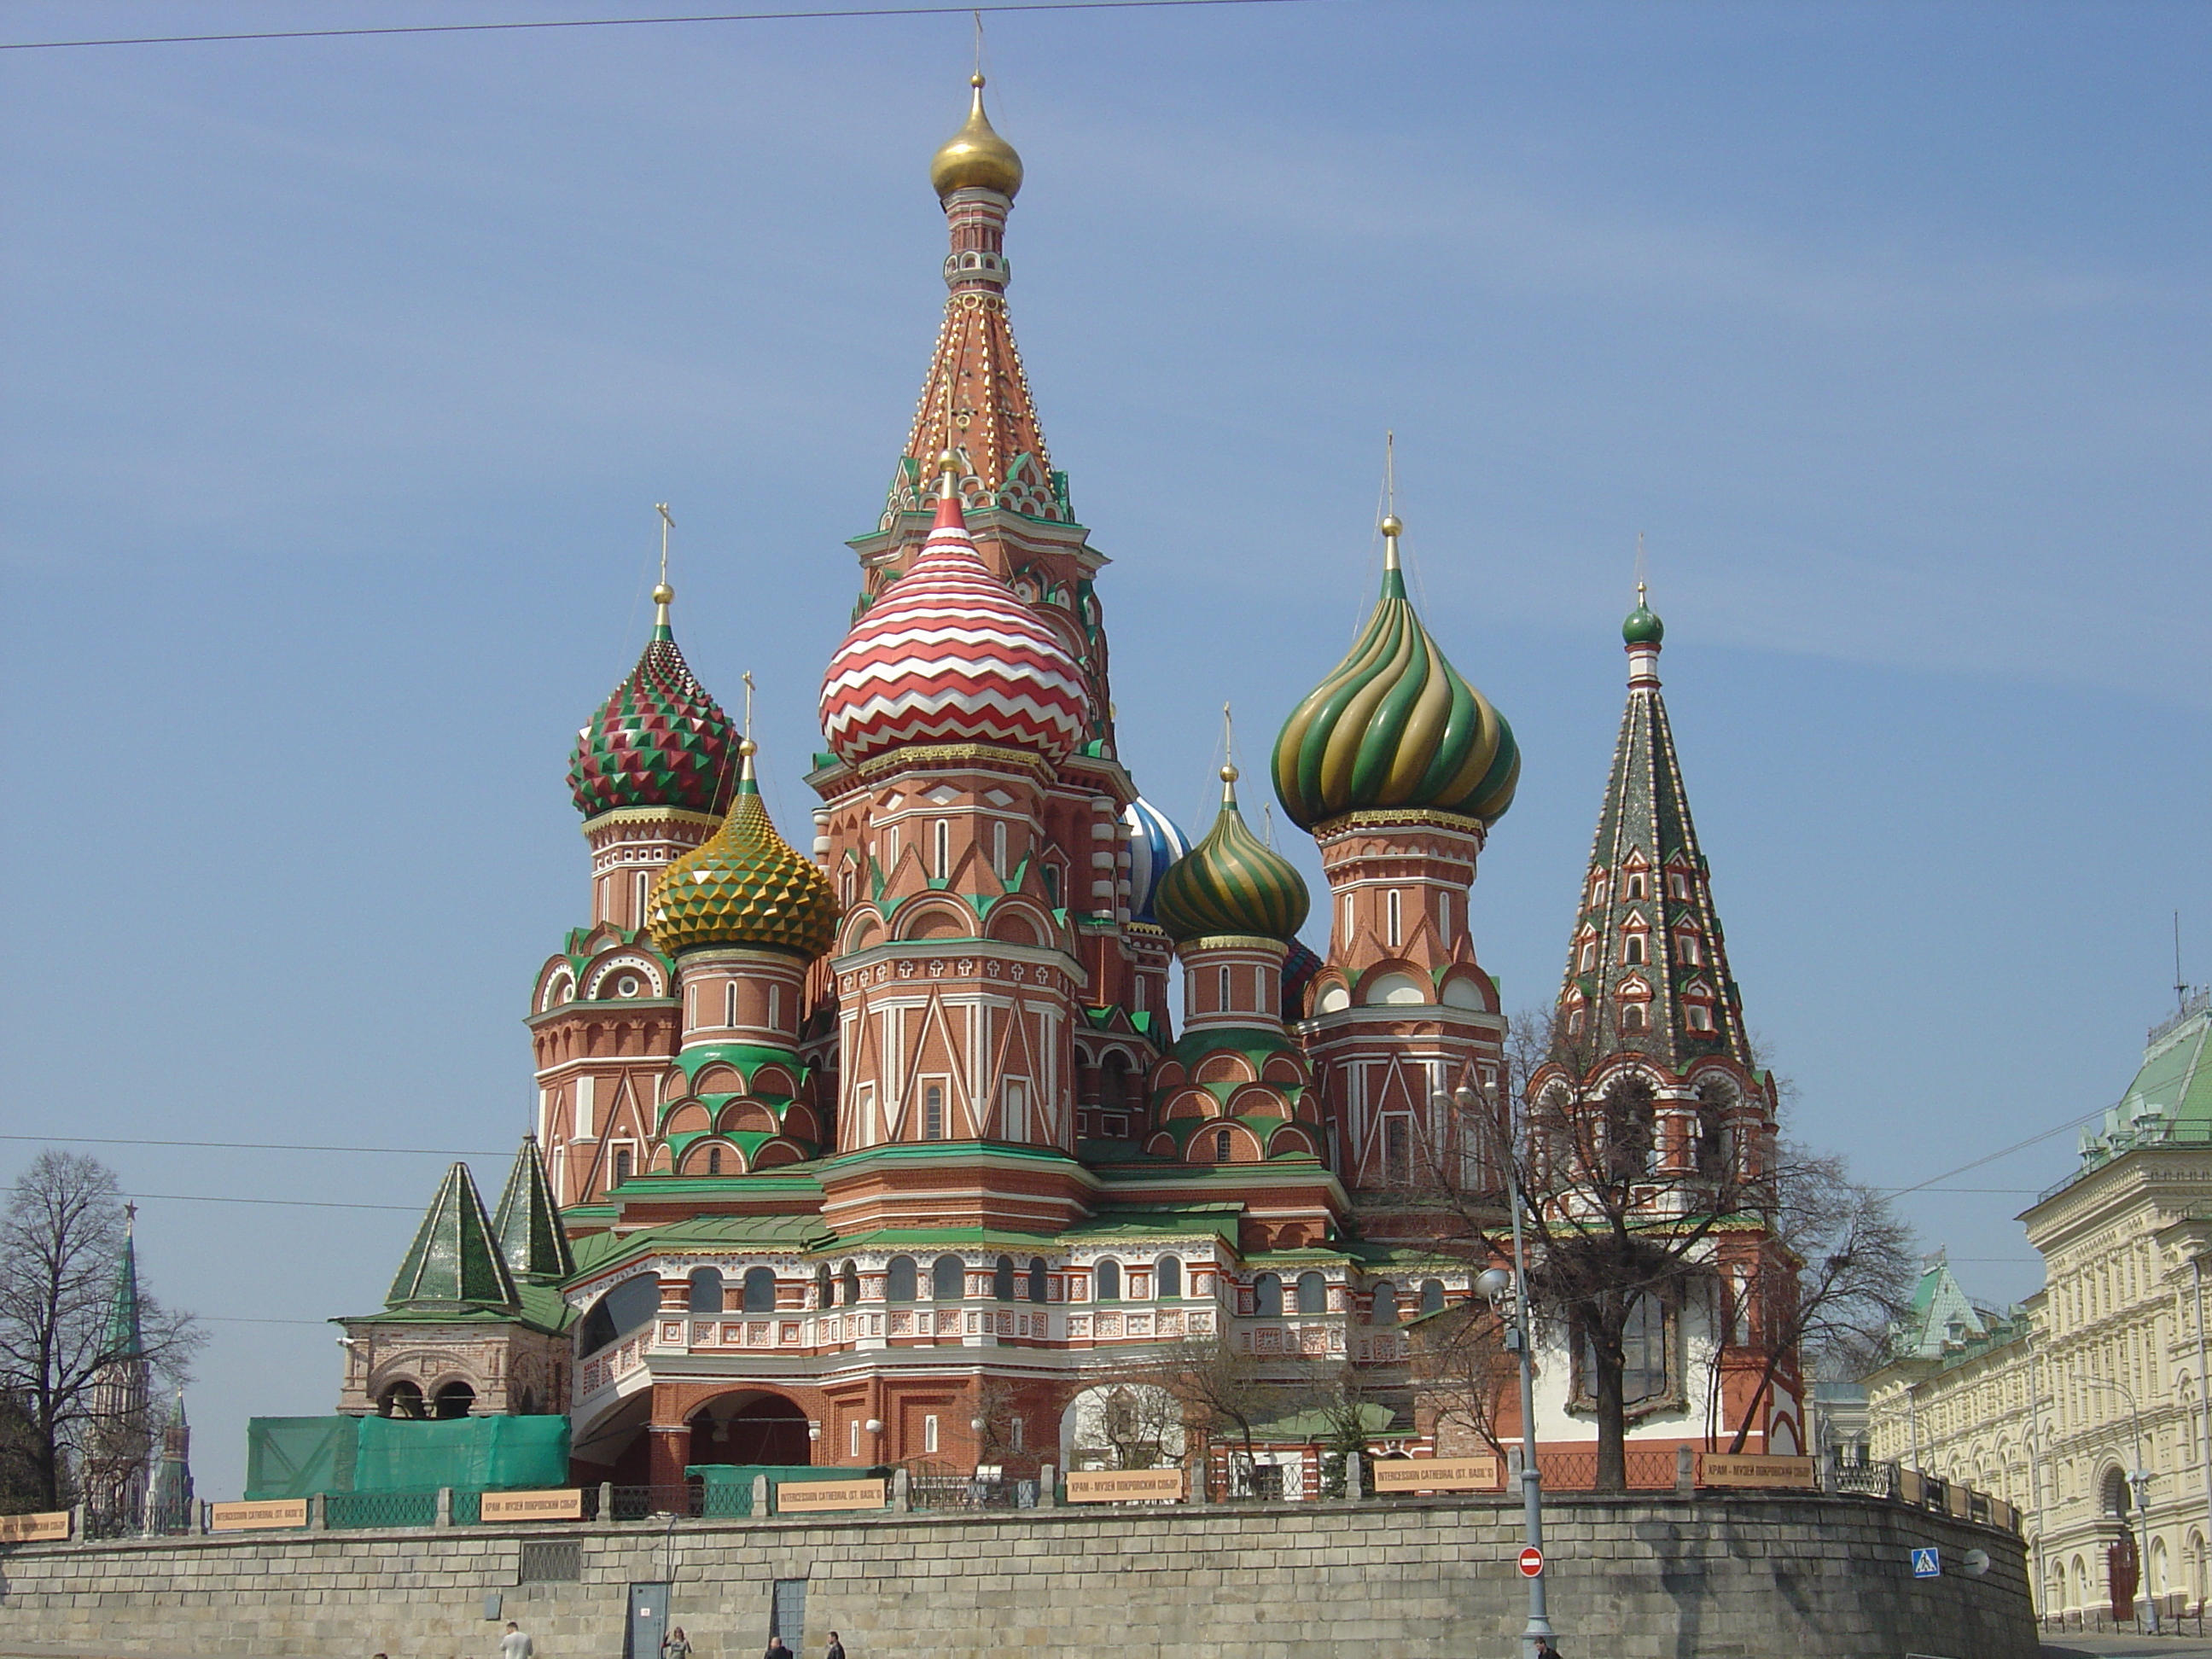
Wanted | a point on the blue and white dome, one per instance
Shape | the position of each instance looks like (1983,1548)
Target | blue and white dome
(1154,844)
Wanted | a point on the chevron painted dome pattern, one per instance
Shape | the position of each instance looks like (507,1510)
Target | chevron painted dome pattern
(1231,883)
(658,740)
(1395,727)
(948,653)
(1155,843)
(745,886)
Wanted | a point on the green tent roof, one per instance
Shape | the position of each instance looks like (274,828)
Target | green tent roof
(527,1223)
(454,1264)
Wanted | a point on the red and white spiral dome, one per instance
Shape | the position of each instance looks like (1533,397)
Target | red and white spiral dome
(948,653)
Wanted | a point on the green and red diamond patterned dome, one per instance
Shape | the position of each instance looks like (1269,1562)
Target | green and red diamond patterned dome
(658,740)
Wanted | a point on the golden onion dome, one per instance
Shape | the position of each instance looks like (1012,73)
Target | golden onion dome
(745,886)
(975,157)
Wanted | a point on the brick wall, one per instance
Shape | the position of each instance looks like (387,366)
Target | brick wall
(1721,1575)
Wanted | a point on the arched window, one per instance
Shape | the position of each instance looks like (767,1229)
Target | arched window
(1224,1144)
(1002,1279)
(1313,1293)
(622,1169)
(1432,1296)
(401,1399)
(1392,911)
(900,1280)
(1631,950)
(760,1290)
(933,1112)
(850,1283)
(631,1304)
(1167,1278)
(1221,996)
(943,851)
(706,1290)
(1632,1132)
(1631,1017)
(1037,1278)
(1267,1296)
(455,1399)
(1106,1279)
(1636,887)
(825,1287)
(999,849)
(730,1003)
(947,1278)
(1383,1308)
(714,1160)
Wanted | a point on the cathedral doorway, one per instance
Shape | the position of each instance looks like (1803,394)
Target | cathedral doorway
(752,1426)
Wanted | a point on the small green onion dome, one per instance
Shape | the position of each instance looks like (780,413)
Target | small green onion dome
(1642,626)
(1395,727)
(1231,883)
(745,886)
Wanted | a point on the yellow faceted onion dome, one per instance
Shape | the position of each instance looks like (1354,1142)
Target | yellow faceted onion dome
(975,157)
(745,886)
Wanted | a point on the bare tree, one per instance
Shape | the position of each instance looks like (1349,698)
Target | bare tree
(1620,1203)
(1842,1267)
(1460,1365)
(61,1237)
(1224,1394)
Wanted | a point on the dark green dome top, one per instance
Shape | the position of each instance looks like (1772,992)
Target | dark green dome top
(1642,626)
(1231,883)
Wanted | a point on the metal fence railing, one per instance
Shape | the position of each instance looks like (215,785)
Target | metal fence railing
(1651,1469)
(349,1511)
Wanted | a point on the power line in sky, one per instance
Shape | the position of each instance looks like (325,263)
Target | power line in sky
(250,1146)
(630,22)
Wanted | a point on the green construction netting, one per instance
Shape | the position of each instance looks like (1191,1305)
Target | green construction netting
(299,1457)
(729,1485)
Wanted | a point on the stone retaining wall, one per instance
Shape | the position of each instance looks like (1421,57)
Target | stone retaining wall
(1712,1577)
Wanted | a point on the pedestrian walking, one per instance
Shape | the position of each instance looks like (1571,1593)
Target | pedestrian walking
(1545,1650)
(676,1644)
(516,1644)
(776,1648)
(836,1649)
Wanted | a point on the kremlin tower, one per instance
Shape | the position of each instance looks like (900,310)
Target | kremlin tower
(889,1151)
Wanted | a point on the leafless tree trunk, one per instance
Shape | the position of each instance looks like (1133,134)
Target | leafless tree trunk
(61,1236)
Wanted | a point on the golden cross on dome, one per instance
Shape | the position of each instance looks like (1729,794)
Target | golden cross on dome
(747,677)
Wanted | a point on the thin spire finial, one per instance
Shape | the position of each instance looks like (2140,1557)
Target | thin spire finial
(2180,984)
(1391,528)
(1228,774)
(746,747)
(664,594)
(130,1210)
(1643,570)
(978,16)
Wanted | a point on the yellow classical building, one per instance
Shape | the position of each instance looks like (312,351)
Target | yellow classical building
(2083,1406)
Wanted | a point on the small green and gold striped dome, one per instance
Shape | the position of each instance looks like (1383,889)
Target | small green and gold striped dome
(744,886)
(1231,883)
(1395,727)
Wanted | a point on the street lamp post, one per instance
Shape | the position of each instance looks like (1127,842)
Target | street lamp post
(1495,1285)
(2139,1479)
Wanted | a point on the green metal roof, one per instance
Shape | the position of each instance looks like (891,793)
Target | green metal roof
(123,1340)
(455,1265)
(527,1223)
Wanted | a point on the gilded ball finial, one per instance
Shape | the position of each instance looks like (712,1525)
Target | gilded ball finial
(1230,775)
(664,594)
(948,462)
(977,79)
(1391,526)
(747,747)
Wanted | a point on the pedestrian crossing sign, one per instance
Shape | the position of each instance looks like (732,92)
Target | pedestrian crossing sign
(1927,1564)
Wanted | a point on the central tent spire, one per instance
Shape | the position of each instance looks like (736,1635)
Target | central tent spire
(975,400)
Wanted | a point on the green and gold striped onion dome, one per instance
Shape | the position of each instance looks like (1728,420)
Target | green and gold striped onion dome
(744,886)
(1395,727)
(1231,883)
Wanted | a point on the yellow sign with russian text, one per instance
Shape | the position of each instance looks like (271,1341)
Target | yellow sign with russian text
(554,1504)
(44,1527)
(1753,1469)
(1123,1485)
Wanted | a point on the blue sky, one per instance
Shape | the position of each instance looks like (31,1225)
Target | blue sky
(342,377)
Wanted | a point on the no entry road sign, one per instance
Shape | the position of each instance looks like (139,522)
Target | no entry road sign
(1532,1562)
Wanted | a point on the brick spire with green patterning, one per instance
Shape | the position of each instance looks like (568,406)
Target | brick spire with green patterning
(1647,968)
(455,1264)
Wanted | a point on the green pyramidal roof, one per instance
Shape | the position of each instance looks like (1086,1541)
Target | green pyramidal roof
(125,1340)
(527,1224)
(454,1264)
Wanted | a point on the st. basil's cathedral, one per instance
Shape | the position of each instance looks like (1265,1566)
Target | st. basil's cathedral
(894,1152)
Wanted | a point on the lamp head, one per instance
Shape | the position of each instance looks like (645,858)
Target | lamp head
(1493,1283)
